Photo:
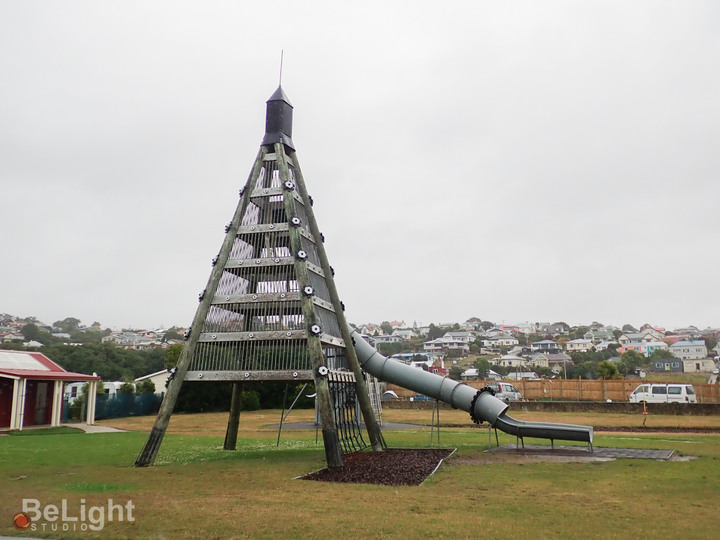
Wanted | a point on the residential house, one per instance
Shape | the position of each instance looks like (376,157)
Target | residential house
(510,360)
(558,362)
(469,326)
(646,348)
(698,365)
(446,344)
(509,328)
(439,370)
(653,346)
(597,335)
(387,339)
(710,332)
(667,365)
(473,375)
(539,360)
(128,339)
(579,345)
(493,332)
(370,329)
(689,350)
(691,331)
(627,339)
(11,337)
(552,329)
(604,345)
(500,341)
(404,333)
(159,379)
(465,337)
(526,328)
(170,343)
(546,345)
(520,375)
(657,333)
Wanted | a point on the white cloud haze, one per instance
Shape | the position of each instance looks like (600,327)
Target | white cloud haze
(512,161)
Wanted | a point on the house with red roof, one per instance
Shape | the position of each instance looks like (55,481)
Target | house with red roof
(31,390)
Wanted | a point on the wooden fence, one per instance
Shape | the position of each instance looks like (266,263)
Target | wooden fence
(580,389)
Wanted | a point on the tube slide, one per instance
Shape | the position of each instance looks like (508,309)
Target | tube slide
(481,404)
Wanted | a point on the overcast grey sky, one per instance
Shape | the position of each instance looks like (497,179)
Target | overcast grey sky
(514,161)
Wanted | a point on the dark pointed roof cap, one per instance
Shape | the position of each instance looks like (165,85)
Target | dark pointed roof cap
(278,120)
(279,95)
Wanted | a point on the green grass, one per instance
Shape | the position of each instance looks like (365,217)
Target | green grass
(198,490)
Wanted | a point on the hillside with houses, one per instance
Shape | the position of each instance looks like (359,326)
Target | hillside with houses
(31,332)
(479,349)
(473,349)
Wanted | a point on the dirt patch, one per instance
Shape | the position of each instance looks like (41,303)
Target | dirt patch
(392,467)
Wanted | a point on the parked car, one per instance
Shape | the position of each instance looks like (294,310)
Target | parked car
(505,391)
(663,393)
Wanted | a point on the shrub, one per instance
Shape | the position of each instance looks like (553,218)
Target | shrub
(250,401)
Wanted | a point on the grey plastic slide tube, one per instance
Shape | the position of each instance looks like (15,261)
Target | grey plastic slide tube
(482,406)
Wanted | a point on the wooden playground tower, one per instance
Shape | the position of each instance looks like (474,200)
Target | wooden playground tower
(270,311)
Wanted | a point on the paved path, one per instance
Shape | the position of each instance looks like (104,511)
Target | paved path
(83,427)
(95,428)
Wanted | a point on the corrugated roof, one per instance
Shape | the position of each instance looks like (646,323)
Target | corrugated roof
(35,365)
(47,375)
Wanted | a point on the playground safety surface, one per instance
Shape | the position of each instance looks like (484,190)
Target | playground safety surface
(582,452)
(411,467)
(391,467)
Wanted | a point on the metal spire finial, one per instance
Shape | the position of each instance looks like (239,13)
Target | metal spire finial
(281,63)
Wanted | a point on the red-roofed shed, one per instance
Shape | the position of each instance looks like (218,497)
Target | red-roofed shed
(31,390)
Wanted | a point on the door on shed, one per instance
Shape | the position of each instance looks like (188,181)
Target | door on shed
(6,395)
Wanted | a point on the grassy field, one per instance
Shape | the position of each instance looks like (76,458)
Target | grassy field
(198,490)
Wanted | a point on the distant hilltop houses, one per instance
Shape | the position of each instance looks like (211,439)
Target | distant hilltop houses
(531,346)
(521,346)
(139,340)
(15,330)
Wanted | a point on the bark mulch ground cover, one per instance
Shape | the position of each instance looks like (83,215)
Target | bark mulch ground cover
(392,467)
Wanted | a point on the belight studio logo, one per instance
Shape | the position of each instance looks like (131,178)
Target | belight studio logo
(21,521)
(50,517)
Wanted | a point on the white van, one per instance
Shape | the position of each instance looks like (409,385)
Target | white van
(505,391)
(663,393)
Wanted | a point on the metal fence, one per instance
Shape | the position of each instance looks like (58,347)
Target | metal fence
(117,406)
(582,389)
